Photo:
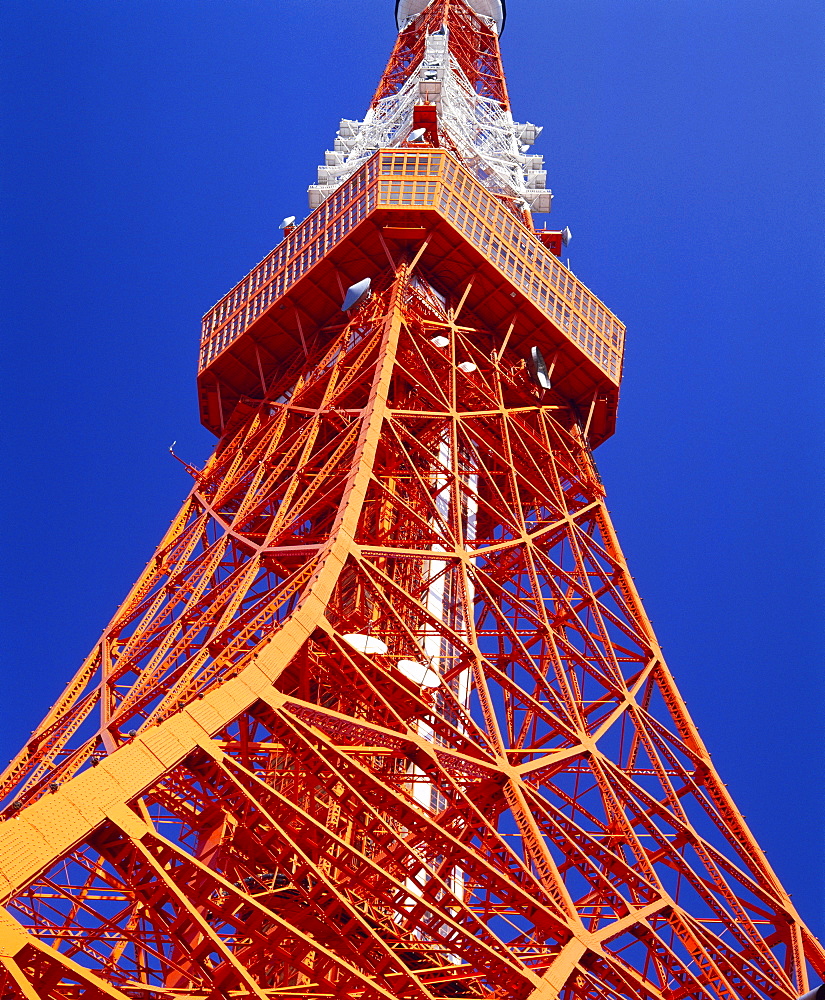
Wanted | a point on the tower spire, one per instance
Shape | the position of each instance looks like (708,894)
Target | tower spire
(445,75)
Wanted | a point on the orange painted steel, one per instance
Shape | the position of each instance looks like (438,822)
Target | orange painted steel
(457,215)
(384,717)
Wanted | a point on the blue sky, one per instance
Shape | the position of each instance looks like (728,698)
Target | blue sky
(149,151)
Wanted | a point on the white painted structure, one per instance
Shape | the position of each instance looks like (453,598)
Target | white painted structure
(489,143)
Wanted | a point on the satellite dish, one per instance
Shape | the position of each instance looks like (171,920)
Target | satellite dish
(288,221)
(365,643)
(440,341)
(419,673)
(467,366)
(416,135)
(566,235)
(356,294)
(538,369)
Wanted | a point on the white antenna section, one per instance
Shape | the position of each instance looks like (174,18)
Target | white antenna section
(490,144)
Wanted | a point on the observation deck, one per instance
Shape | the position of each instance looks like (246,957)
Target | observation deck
(399,199)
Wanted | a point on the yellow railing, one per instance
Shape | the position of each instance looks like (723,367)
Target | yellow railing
(266,283)
(519,254)
(427,179)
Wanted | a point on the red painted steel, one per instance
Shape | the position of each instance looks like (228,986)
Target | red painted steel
(384,717)
(473,43)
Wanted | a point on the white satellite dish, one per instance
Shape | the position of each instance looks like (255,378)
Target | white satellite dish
(417,135)
(356,294)
(538,369)
(440,341)
(288,221)
(365,643)
(419,673)
(467,366)
(566,235)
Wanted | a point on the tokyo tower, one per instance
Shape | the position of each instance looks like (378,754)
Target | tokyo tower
(384,717)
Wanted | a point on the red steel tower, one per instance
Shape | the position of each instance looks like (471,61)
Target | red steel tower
(384,716)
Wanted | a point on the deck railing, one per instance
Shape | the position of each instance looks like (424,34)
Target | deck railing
(406,179)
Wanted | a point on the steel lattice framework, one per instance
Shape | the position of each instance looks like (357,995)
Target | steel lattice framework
(384,716)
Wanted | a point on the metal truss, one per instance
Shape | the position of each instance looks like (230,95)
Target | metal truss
(448,57)
(385,718)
